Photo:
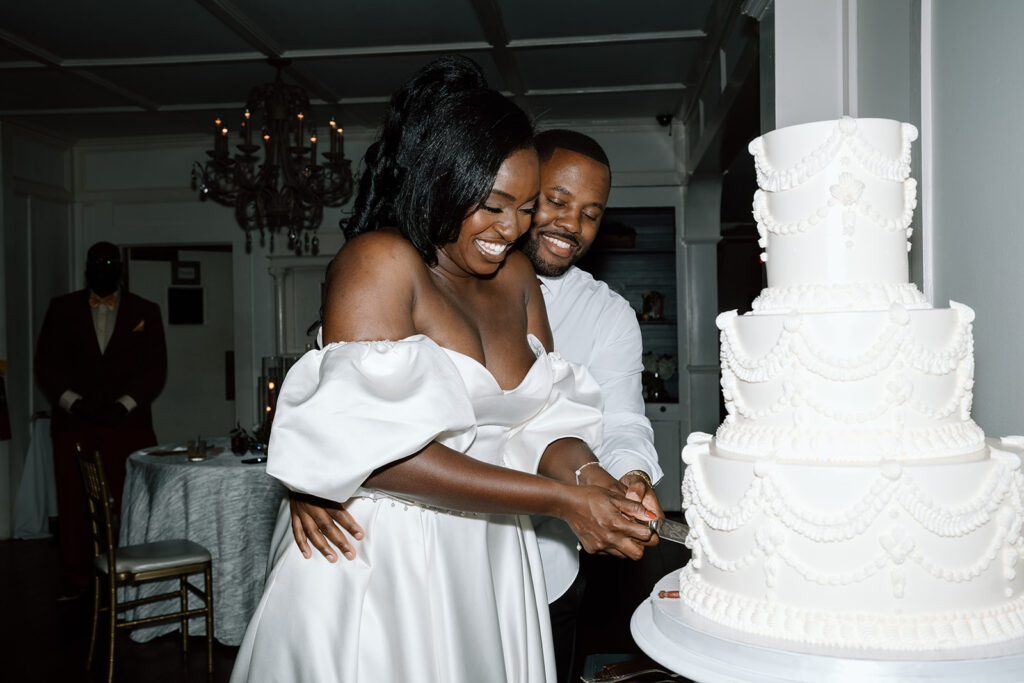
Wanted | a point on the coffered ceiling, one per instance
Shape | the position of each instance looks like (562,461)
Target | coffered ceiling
(81,69)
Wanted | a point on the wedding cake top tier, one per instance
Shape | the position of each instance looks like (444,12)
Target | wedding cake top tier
(833,212)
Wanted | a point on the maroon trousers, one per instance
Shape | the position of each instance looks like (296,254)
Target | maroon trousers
(76,549)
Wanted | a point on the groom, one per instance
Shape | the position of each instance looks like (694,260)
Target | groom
(592,326)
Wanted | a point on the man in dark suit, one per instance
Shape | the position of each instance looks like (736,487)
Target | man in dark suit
(101,360)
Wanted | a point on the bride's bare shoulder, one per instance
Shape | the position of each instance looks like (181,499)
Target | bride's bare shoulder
(375,256)
(377,247)
(370,288)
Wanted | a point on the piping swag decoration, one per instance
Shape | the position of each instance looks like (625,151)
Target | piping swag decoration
(846,193)
(795,355)
(893,491)
(845,132)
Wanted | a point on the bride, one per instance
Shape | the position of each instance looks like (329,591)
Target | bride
(437,412)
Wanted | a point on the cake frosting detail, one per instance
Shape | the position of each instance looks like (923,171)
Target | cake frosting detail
(844,196)
(834,213)
(848,500)
(810,298)
(812,572)
(850,386)
(843,134)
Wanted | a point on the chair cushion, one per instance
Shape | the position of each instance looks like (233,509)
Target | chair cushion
(147,557)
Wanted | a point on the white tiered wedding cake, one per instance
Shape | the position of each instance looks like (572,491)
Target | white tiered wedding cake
(848,502)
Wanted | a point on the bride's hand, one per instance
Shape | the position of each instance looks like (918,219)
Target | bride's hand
(319,521)
(605,521)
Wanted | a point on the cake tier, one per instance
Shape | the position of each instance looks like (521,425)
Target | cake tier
(834,213)
(851,386)
(893,556)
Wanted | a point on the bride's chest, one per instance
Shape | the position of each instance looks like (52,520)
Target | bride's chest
(490,330)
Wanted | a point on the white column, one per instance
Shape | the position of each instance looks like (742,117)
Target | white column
(279,275)
(809,49)
(699,244)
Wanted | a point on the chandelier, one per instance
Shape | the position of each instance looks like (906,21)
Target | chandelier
(288,191)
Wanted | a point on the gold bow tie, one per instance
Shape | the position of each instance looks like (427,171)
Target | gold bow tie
(109,300)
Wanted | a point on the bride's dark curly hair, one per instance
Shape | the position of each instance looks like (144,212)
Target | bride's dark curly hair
(443,138)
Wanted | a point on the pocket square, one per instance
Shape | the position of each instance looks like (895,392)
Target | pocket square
(140,327)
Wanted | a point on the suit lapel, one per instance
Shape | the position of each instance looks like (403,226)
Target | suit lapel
(83,321)
(123,324)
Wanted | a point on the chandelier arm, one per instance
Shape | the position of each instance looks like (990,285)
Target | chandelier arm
(288,189)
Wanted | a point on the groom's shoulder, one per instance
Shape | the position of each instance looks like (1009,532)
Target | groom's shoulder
(582,285)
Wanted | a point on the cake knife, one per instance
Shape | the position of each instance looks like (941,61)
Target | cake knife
(670,530)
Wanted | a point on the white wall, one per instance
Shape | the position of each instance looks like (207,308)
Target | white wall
(37,241)
(977,96)
(193,401)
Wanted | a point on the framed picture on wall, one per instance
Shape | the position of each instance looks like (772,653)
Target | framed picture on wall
(185,273)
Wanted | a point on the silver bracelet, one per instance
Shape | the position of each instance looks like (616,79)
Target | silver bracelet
(586,464)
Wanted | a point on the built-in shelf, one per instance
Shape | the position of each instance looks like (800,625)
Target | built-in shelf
(637,272)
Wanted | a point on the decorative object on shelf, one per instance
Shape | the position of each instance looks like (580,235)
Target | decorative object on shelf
(290,188)
(653,306)
(657,369)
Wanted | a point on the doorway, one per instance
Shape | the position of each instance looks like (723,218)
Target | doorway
(193,286)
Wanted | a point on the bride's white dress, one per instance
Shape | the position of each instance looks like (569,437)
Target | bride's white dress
(432,595)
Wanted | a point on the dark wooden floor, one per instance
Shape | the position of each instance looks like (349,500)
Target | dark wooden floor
(44,640)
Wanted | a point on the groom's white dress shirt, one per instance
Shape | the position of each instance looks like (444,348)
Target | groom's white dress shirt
(597,328)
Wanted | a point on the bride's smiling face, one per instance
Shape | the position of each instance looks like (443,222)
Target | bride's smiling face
(490,229)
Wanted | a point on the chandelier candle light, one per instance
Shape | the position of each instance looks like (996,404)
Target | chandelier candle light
(290,188)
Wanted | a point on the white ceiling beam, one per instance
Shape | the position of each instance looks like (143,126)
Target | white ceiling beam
(387,50)
(167,60)
(250,32)
(242,26)
(488,14)
(294,55)
(610,89)
(200,106)
(21,45)
(71,110)
(52,61)
(608,39)
(131,95)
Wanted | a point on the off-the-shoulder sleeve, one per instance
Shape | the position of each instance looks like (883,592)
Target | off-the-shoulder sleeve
(353,407)
(573,409)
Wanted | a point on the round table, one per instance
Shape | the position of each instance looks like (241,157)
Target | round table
(679,640)
(222,503)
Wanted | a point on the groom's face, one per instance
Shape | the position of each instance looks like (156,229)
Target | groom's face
(573,193)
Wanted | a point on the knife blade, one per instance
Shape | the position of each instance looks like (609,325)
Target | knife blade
(670,530)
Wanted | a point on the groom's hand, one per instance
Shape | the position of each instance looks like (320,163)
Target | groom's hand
(638,488)
(320,522)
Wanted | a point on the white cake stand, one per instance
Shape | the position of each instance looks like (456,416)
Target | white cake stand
(672,636)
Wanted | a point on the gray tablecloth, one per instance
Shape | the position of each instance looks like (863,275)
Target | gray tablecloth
(227,506)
